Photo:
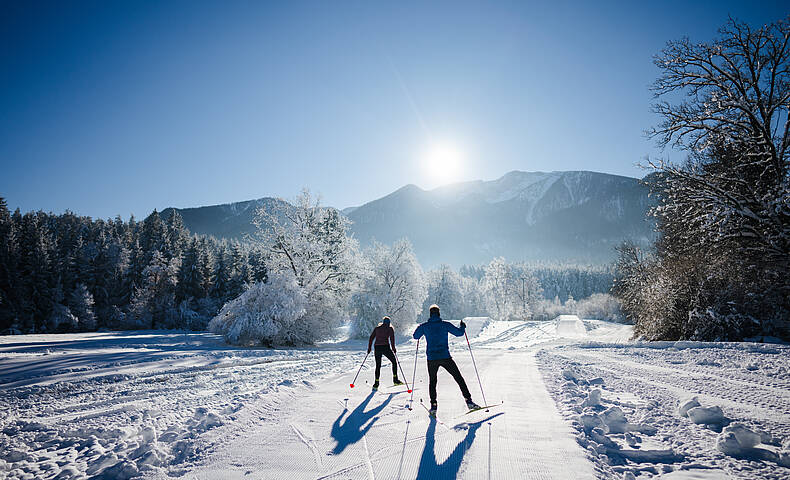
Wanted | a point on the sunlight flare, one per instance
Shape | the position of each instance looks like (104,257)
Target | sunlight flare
(442,163)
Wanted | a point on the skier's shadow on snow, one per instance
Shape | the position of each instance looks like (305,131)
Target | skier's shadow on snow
(354,427)
(430,468)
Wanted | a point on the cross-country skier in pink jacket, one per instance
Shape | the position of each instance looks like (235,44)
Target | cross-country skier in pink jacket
(385,337)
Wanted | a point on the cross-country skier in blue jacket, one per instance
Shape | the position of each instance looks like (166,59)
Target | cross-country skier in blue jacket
(435,331)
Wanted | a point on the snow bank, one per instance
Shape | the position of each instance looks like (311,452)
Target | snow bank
(681,410)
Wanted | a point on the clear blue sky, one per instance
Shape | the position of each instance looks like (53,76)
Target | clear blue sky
(121,107)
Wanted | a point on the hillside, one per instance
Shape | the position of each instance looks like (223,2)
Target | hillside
(535,216)
(572,216)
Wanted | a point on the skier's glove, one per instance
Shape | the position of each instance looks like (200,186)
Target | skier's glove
(463,325)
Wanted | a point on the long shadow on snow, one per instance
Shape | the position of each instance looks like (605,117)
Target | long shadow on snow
(353,428)
(430,468)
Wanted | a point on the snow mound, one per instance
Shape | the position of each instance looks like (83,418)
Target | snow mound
(475,325)
(687,404)
(736,440)
(570,326)
(706,415)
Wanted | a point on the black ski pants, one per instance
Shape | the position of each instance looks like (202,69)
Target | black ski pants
(449,365)
(380,350)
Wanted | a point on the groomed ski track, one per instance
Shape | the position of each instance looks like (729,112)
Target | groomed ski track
(335,432)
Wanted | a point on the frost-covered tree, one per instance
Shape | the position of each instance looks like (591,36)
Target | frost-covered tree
(722,262)
(308,246)
(526,289)
(474,297)
(498,282)
(153,303)
(81,306)
(393,285)
(444,289)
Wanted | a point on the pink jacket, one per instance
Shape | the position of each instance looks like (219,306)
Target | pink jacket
(382,334)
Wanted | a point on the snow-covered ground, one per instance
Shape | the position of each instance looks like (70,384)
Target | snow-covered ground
(579,401)
(714,410)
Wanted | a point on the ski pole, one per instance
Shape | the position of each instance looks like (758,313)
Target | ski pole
(401,372)
(476,372)
(414,374)
(360,369)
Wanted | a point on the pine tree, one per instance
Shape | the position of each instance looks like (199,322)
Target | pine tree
(9,279)
(81,306)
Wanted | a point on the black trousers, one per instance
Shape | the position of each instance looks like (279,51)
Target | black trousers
(449,365)
(380,350)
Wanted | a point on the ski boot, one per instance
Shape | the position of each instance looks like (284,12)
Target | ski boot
(396,380)
(376,384)
(472,405)
(432,411)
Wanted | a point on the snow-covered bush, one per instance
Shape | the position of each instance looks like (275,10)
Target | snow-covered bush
(266,314)
(393,285)
(600,306)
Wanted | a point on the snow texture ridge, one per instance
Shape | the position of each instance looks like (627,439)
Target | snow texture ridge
(676,409)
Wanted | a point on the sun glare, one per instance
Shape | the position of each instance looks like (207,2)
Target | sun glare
(443,163)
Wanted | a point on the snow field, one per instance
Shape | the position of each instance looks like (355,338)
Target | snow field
(118,405)
(171,405)
(680,410)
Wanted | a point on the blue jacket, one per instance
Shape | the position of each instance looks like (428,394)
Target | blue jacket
(435,331)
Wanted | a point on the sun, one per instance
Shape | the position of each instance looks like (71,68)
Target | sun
(442,163)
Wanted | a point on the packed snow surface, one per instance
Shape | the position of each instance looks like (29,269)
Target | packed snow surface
(574,399)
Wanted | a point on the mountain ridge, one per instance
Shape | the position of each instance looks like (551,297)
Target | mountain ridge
(558,216)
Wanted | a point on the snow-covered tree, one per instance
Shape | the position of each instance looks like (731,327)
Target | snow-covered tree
(444,289)
(600,306)
(526,289)
(498,281)
(311,262)
(271,313)
(81,305)
(153,303)
(722,263)
(393,285)
(474,297)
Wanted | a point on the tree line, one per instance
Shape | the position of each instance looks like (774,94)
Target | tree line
(61,273)
(301,277)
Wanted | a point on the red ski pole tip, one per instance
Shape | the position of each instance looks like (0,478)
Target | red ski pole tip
(352,385)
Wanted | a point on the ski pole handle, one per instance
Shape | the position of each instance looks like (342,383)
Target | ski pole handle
(360,369)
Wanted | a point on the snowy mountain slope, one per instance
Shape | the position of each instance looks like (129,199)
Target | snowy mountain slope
(522,216)
(231,220)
